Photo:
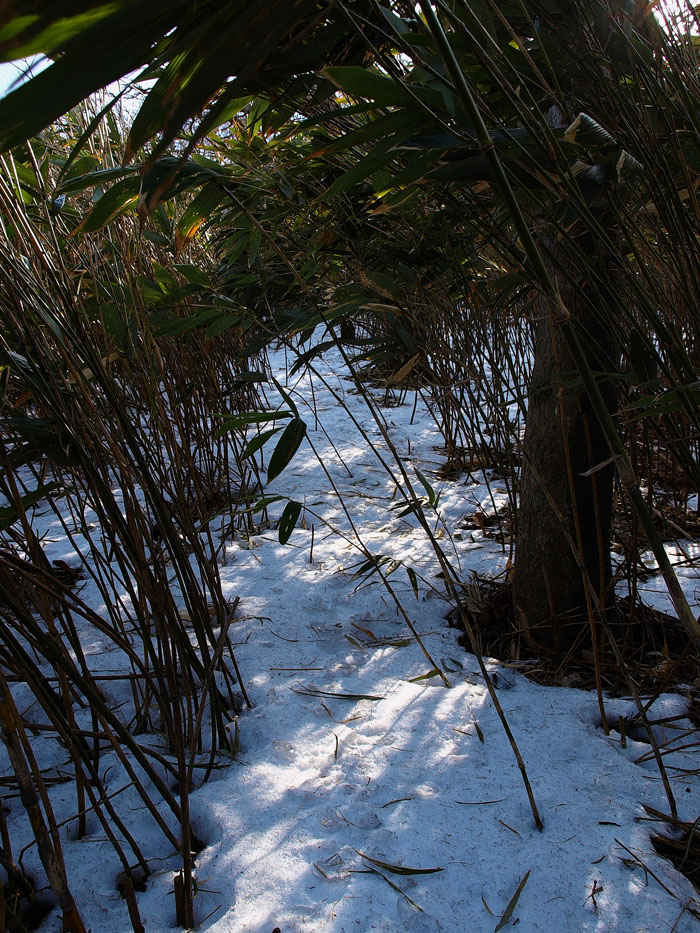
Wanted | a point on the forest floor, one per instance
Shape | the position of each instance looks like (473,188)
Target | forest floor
(364,795)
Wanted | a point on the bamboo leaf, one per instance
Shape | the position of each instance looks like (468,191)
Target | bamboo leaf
(199,210)
(367,83)
(426,485)
(413,580)
(47,437)
(379,157)
(398,869)
(250,417)
(286,396)
(375,871)
(384,284)
(287,446)
(373,85)
(114,202)
(394,124)
(182,325)
(433,673)
(401,373)
(166,282)
(9,515)
(315,692)
(258,442)
(288,521)
(95,52)
(193,274)
(93,179)
(263,503)
(52,36)
(512,903)
(311,354)
(474,168)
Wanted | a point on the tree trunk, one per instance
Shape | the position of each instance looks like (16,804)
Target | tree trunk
(565,515)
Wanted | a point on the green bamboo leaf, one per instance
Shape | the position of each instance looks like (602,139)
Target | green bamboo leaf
(9,515)
(157,106)
(83,165)
(199,210)
(664,402)
(413,579)
(370,566)
(311,354)
(119,326)
(245,418)
(263,503)
(228,105)
(25,175)
(287,446)
(367,83)
(93,179)
(222,323)
(286,396)
(384,284)
(427,676)
(380,156)
(114,202)
(201,64)
(244,379)
(394,124)
(440,141)
(254,244)
(258,442)
(183,325)
(19,39)
(157,238)
(164,278)
(399,25)
(290,516)
(373,85)
(426,485)
(94,57)
(193,274)
(46,437)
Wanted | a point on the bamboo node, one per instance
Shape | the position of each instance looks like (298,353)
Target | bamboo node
(626,473)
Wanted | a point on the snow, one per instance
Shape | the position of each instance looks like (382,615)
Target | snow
(416,773)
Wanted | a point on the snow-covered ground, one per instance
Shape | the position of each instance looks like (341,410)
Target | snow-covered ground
(365,796)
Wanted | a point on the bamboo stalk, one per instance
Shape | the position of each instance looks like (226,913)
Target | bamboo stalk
(42,823)
(562,318)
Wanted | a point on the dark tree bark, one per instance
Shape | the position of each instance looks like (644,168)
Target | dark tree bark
(565,515)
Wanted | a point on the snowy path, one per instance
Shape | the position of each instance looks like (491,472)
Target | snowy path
(420,775)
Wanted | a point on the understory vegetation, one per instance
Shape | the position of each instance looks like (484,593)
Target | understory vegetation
(492,206)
